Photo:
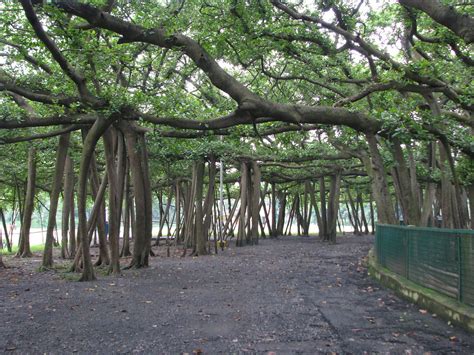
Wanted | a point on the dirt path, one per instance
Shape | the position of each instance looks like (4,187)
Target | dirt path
(291,295)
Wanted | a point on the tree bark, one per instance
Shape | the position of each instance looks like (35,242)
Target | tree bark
(68,196)
(73,242)
(243,203)
(209,202)
(61,154)
(274,214)
(281,212)
(90,142)
(256,178)
(427,217)
(114,202)
(461,24)
(99,221)
(408,201)
(323,232)
(142,225)
(385,210)
(199,233)
(92,222)
(24,250)
(178,211)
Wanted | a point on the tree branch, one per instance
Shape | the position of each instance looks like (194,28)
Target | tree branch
(78,79)
(461,24)
(55,133)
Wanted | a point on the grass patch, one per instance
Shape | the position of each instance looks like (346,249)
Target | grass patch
(57,267)
(69,276)
(34,249)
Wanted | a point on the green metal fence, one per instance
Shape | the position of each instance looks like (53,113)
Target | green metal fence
(440,259)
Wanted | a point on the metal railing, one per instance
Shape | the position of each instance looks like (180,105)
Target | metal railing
(436,258)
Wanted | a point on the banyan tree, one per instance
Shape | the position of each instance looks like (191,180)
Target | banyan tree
(237,119)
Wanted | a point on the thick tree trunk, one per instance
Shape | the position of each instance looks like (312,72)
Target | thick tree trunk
(274,214)
(427,217)
(307,208)
(68,196)
(244,177)
(95,182)
(61,154)
(189,215)
(448,214)
(199,233)
(256,178)
(453,210)
(92,222)
(114,202)
(73,241)
(385,211)
(209,202)
(446,15)
(408,200)
(24,250)
(281,212)
(138,167)
(415,186)
(323,232)
(459,216)
(178,211)
(90,142)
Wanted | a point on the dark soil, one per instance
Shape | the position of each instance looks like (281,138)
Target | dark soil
(289,295)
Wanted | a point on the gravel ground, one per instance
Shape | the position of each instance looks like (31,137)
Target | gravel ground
(289,295)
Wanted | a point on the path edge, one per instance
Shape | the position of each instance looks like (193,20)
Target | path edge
(434,302)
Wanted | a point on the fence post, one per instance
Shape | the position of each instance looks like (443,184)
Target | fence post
(379,245)
(407,253)
(459,241)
